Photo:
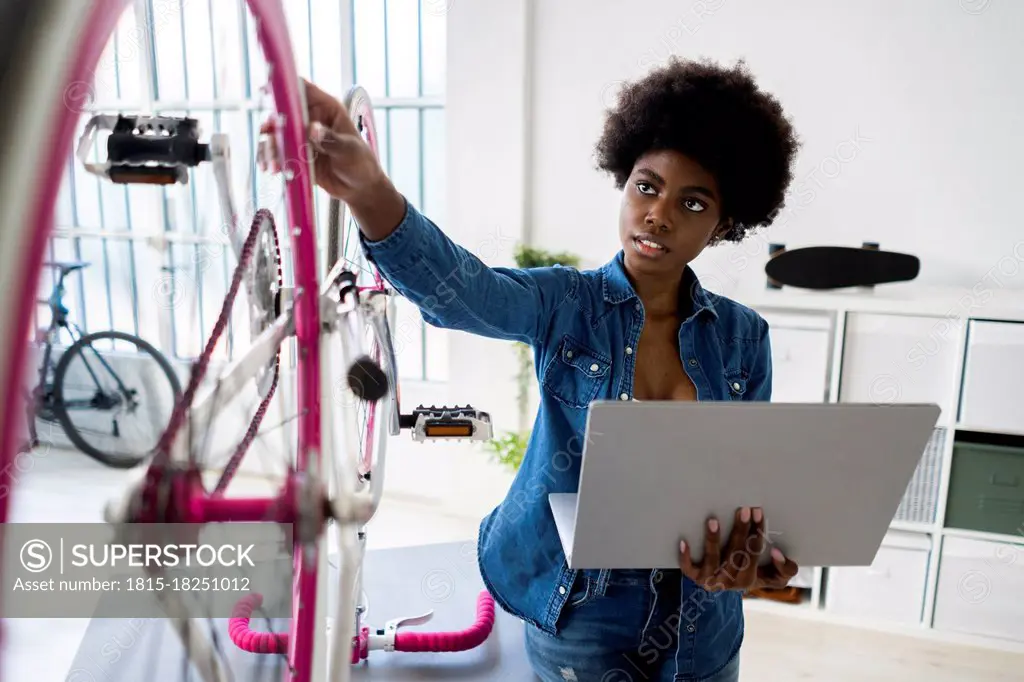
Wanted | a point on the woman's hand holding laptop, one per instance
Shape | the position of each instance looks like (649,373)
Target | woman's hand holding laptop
(737,565)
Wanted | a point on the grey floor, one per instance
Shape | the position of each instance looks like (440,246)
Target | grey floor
(63,486)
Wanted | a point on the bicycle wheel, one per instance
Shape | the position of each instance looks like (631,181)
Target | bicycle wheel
(113,395)
(374,422)
(54,48)
(343,245)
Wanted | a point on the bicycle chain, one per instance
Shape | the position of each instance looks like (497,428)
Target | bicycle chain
(250,434)
(199,367)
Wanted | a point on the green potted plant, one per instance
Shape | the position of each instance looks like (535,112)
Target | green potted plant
(510,448)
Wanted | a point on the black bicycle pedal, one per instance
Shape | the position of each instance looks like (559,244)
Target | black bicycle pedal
(160,140)
(150,150)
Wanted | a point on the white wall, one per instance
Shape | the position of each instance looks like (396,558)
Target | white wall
(910,115)
(487,176)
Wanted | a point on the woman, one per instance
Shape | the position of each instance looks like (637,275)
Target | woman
(702,157)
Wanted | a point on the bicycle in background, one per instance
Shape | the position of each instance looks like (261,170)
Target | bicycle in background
(111,392)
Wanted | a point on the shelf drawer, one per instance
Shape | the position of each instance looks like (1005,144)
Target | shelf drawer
(891,589)
(921,500)
(986,488)
(993,374)
(800,360)
(899,359)
(980,589)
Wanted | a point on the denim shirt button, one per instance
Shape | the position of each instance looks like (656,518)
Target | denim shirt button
(690,628)
(657,576)
(561,589)
(629,351)
(624,396)
(693,362)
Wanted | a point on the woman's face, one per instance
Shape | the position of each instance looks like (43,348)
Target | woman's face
(670,211)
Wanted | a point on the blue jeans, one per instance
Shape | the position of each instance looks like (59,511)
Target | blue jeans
(625,635)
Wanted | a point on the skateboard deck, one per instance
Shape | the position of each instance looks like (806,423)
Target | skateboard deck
(837,267)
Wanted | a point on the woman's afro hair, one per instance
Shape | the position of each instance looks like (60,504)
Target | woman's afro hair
(719,118)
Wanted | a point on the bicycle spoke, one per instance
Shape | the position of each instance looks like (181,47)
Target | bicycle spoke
(356,265)
(200,455)
(109,369)
(89,369)
(207,429)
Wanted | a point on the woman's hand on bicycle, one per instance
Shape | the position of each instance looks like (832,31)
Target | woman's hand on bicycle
(737,565)
(344,165)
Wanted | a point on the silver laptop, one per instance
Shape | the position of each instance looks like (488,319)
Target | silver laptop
(829,477)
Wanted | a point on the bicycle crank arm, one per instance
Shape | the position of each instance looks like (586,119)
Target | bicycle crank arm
(447,423)
(236,375)
(220,155)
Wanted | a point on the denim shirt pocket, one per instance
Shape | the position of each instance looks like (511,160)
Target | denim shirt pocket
(736,383)
(576,373)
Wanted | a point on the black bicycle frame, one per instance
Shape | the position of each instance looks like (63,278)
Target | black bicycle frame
(59,320)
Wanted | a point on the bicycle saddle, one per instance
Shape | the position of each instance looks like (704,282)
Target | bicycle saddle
(67,265)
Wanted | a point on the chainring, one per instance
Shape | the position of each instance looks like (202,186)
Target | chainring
(264,288)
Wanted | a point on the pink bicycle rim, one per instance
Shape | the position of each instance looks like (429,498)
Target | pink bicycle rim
(273,36)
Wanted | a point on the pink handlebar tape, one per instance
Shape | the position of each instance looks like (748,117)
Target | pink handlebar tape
(247,639)
(462,640)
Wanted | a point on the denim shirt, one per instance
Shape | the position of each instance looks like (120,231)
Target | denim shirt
(583,327)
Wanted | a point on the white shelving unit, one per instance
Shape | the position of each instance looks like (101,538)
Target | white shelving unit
(964,350)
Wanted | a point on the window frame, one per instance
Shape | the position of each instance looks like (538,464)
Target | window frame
(159,241)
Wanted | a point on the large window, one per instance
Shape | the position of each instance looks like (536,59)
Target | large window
(160,264)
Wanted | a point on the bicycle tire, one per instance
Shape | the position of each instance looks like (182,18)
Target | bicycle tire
(342,238)
(60,409)
(380,350)
(383,348)
(359,106)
